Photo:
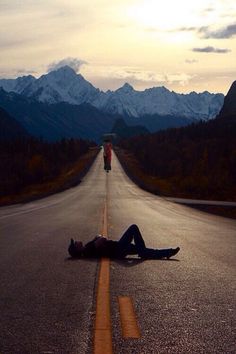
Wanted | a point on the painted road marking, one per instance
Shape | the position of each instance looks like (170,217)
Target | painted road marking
(102,332)
(129,324)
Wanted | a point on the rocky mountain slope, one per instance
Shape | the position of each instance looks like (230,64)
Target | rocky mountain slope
(56,121)
(10,129)
(229,106)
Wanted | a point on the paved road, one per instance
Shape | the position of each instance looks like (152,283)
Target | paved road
(47,302)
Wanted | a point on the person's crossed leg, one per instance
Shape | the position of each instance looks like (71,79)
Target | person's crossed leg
(133,234)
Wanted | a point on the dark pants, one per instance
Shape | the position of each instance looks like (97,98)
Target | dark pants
(107,163)
(127,247)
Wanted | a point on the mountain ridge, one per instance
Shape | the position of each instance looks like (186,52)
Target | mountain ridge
(57,121)
(64,85)
(63,120)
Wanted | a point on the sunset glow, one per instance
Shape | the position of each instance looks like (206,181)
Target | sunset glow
(165,15)
(144,42)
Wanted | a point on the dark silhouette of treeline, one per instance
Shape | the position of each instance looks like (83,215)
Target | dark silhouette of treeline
(28,161)
(195,161)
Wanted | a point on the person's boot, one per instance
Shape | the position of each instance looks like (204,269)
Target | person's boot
(172,252)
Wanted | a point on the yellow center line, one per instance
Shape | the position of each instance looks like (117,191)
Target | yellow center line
(102,331)
(129,325)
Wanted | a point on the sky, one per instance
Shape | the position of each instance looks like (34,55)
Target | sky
(183,45)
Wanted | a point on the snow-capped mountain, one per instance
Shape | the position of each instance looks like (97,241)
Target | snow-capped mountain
(159,100)
(64,85)
(17,85)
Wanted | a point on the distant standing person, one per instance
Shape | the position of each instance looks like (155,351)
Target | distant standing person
(107,146)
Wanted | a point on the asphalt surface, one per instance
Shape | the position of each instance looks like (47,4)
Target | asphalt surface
(47,301)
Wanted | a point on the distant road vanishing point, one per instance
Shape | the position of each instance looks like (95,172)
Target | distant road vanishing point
(48,302)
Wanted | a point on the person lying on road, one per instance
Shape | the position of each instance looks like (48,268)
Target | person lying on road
(100,246)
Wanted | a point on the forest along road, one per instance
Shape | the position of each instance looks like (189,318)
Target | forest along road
(48,302)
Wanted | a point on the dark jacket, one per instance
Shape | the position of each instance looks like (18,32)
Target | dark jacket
(110,248)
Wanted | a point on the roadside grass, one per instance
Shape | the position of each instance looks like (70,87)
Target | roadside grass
(164,188)
(69,177)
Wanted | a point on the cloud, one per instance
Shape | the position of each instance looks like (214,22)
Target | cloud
(8,42)
(210,49)
(210,80)
(180,78)
(74,63)
(191,61)
(187,29)
(208,9)
(206,32)
(149,78)
(25,72)
(16,72)
(225,32)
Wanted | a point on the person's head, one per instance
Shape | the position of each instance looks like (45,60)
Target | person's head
(75,249)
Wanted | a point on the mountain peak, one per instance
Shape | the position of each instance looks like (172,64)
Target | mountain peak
(126,88)
(66,68)
(63,70)
(157,89)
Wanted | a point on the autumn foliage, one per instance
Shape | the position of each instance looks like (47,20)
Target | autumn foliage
(26,162)
(198,161)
